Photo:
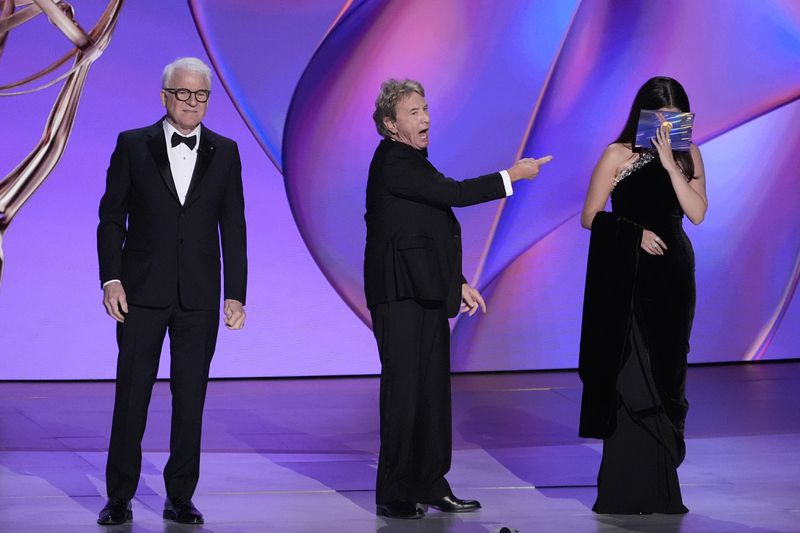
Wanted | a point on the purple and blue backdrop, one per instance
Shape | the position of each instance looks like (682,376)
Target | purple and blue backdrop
(295,86)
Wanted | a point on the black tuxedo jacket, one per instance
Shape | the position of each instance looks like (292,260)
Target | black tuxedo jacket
(413,238)
(159,248)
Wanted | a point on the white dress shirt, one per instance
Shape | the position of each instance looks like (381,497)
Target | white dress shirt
(507,182)
(181,159)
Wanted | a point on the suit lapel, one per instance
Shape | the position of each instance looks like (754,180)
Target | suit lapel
(205,153)
(158,149)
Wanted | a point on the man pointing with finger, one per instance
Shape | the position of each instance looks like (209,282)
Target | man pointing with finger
(413,283)
(173,190)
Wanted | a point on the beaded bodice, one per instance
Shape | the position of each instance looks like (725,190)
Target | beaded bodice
(643,193)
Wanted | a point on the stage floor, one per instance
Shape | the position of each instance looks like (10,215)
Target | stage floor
(300,456)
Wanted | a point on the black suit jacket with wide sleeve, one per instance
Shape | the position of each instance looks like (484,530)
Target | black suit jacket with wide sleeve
(157,247)
(413,238)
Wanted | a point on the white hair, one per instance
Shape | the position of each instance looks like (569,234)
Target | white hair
(192,64)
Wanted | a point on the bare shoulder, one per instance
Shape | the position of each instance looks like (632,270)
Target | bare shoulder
(617,153)
(618,156)
(619,148)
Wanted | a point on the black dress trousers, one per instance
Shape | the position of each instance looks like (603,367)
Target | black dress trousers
(193,336)
(415,420)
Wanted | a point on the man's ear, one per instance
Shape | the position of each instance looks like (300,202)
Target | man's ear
(163,97)
(390,125)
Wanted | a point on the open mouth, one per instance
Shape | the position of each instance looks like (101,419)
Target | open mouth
(424,133)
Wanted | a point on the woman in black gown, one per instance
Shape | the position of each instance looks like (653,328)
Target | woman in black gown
(638,310)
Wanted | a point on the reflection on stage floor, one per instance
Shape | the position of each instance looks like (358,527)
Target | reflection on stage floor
(300,455)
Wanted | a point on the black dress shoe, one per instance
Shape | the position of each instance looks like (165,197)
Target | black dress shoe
(451,504)
(115,512)
(407,510)
(182,511)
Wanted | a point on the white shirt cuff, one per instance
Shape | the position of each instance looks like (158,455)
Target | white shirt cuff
(507,182)
(109,282)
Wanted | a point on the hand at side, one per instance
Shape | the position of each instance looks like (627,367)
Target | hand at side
(234,314)
(471,300)
(115,301)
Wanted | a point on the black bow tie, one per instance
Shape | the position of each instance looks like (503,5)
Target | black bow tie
(188,141)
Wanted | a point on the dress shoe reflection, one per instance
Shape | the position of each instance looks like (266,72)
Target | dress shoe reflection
(182,511)
(403,510)
(115,512)
(438,523)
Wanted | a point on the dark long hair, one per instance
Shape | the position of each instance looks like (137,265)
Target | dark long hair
(656,93)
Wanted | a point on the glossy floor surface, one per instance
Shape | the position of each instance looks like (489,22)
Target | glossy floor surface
(300,456)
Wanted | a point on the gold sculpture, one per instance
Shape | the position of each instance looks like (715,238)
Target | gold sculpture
(18,186)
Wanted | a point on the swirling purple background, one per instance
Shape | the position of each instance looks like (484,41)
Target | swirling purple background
(504,79)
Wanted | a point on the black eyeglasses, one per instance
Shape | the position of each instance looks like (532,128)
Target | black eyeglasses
(183,95)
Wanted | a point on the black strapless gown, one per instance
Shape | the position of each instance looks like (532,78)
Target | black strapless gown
(638,473)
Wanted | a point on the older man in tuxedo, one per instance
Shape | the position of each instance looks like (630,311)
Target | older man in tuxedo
(413,283)
(172,190)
